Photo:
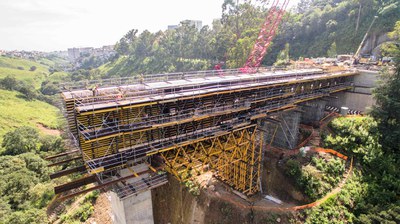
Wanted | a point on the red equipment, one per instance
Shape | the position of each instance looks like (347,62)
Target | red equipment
(267,33)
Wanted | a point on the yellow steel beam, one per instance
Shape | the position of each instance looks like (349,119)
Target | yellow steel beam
(133,172)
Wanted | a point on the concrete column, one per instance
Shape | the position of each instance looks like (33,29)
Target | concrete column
(135,209)
(287,129)
(313,111)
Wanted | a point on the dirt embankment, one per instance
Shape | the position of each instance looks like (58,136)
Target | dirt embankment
(172,203)
(48,131)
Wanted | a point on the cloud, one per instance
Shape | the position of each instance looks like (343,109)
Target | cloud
(59,24)
(24,13)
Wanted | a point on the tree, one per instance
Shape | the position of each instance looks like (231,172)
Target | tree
(28,91)
(27,217)
(303,6)
(332,51)
(387,109)
(9,83)
(51,143)
(49,88)
(21,140)
(283,57)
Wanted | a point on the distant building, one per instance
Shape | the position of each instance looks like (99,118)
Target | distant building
(172,27)
(103,52)
(23,54)
(198,24)
(75,53)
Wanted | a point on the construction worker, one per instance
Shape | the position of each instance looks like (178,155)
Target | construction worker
(95,90)
(119,94)
(218,68)
(141,78)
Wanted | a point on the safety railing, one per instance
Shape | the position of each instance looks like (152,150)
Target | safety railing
(138,78)
(139,185)
(171,90)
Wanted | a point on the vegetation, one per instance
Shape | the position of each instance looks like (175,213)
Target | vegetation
(17,112)
(83,211)
(315,28)
(25,186)
(371,194)
(316,25)
(318,177)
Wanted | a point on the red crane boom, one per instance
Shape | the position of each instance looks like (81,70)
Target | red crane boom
(267,33)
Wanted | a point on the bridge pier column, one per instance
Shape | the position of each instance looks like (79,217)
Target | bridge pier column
(134,208)
(284,132)
(313,112)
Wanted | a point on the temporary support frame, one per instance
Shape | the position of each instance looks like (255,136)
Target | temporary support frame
(234,156)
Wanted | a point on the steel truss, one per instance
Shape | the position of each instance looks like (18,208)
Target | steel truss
(235,158)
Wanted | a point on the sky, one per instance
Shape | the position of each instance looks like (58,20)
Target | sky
(50,25)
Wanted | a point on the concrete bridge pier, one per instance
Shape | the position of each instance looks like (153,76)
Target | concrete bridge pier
(282,130)
(134,208)
(313,112)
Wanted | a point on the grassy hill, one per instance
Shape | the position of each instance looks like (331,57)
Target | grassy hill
(15,111)
(21,70)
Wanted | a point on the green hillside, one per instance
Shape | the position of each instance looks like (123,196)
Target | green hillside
(21,70)
(30,71)
(16,112)
(15,109)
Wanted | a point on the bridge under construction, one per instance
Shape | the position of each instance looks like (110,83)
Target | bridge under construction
(130,131)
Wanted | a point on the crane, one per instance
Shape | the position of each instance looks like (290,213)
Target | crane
(267,33)
(357,56)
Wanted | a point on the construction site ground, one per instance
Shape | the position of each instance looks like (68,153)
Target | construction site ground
(102,211)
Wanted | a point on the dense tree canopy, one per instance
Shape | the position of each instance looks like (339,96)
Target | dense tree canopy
(314,28)
(387,109)
(21,140)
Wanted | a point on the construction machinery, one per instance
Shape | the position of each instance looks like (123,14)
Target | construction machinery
(357,55)
(266,35)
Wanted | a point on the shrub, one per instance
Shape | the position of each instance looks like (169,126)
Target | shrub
(84,212)
(21,140)
(293,168)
